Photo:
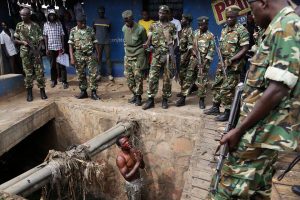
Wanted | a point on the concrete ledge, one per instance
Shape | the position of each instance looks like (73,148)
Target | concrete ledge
(11,84)
(14,134)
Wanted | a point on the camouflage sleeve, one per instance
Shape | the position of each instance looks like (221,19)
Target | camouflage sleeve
(39,32)
(174,32)
(190,39)
(17,32)
(94,36)
(284,63)
(71,37)
(244,36)
(151,29)
(211,48)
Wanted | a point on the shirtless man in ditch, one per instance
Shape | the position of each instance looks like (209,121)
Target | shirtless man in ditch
(129,161)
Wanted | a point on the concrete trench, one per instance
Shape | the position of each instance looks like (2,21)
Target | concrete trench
(166,140)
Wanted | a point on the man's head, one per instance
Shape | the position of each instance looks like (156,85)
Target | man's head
(232,13)
(101,11)
(163,13)
(145,15)
(52,17)
(25,14)
(4,25)
(81,21)
(123,142)
(127,16)
(265,10)
(250,19)
(186,20)
(203,23)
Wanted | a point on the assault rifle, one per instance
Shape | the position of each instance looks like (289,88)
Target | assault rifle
(199,60)
(220,57)
(173,61)
(233,119)
(33,49)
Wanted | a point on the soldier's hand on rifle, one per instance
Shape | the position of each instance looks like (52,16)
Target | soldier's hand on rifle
(232,138)
(25,43)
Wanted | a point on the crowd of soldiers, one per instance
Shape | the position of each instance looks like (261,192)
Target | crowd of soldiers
(196,54)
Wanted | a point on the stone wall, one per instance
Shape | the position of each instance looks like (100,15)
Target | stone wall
(166,141)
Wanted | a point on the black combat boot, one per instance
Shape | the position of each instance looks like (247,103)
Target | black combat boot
(202,103)
(94,95)
(43,93)
(224,117)
(82,95)
(164,103)
(214,110)
(29,95)
(194,88)
(181,101)
(138,100)
(132,100)
(149,104)
(296,189)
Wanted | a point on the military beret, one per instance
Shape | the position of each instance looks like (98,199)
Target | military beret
(127,14)
(233,9)
(202,19)
(164,8)
(81,17)
(189,17)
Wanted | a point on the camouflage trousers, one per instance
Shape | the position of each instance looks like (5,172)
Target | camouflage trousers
(247,174)
(202,80)
(133,73)
(186,74)
(30,65)
(134,189)
(159,62)
(81,63)
(224,89)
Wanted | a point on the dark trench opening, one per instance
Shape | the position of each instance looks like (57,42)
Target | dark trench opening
(28,153)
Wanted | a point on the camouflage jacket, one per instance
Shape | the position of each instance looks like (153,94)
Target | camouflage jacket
(231,41)
(83,40)
(32,35)
(206,44)
(162,35)
(277,59)
(186,39)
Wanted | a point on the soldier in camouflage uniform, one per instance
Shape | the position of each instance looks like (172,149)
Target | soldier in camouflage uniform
(205,44)
(161,34)
(186,69)
(135,58)
(81,44)
(234,44)
(269,120)
(29,36)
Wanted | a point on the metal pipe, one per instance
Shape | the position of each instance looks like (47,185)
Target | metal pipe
(34,181)
(21,176)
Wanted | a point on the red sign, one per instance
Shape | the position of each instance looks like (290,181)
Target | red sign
(219,7)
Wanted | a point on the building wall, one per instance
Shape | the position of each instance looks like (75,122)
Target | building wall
(114,9)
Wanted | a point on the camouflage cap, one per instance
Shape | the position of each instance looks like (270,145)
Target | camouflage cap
(81,17)
(164,8)
(189,17)
(127,14)
(233,9)
(203,19)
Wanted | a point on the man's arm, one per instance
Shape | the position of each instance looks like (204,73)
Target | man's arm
(121,163)
(240,54)
(71,51)
(272,96)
